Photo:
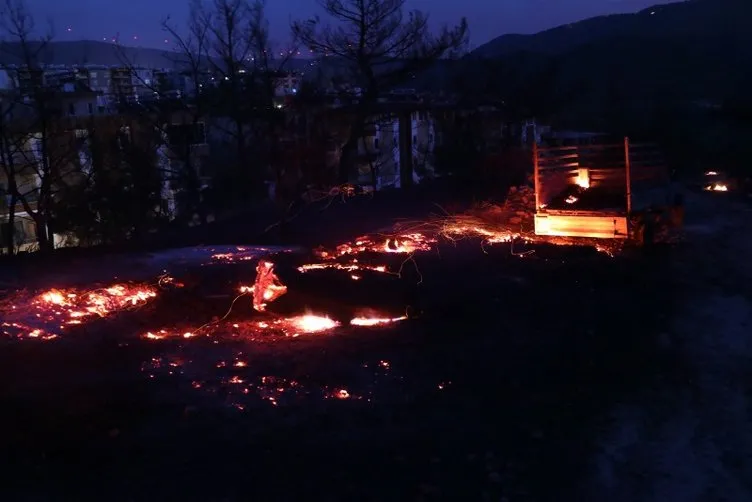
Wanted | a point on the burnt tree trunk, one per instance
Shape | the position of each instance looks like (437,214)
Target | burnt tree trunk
(44,204)
(10,173)
(350,151)
(406,150)
(11,244)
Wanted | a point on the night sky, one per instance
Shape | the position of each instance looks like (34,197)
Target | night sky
(137,21)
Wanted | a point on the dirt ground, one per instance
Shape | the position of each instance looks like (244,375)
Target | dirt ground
(688,437)
(561,375)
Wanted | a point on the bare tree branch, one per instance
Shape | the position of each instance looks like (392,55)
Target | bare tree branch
(379,46)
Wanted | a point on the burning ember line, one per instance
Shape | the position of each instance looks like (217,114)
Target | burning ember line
(455,230)
(291,327)
(296,326)
(229,257)
(347,267)
(240,254)
(375,321)
(407,243)
(486,225)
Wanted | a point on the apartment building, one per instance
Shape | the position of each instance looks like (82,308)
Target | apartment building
(380,149)
(26,154)
(287,85)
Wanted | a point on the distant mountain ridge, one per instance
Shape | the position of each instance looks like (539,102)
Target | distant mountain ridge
(82,52)
(699,18)
(627,66)
(93,52)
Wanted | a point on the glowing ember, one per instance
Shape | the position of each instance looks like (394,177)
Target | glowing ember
(342,394)
(375,321)
(717,187)
(48,313)
(267,287)
(711,173)
(571,199)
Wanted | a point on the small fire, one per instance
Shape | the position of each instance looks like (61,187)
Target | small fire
(310,323)
(717,187)
(571,199)
(582,180)
(711,173)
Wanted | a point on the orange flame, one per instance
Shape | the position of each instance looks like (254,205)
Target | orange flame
(717,187)
(310,323)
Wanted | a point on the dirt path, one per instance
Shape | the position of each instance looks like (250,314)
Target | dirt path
(690,437)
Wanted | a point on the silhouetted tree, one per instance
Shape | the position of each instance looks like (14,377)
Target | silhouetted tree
(37,142)
(378,46)
(244,61)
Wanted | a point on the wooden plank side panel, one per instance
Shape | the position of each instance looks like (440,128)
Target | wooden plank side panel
(612,179)
(596,227)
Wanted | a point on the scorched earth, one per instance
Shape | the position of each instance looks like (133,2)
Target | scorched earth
(445,360)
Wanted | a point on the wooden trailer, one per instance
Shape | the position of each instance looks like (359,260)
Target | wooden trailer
(605,191)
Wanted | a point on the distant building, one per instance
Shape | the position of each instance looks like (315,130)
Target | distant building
(287,85)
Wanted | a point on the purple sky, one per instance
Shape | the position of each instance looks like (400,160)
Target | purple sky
(97,19)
